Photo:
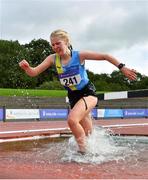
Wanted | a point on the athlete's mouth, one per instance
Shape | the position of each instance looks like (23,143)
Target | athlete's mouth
(58,50)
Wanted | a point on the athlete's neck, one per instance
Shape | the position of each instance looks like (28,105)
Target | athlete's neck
(65,58)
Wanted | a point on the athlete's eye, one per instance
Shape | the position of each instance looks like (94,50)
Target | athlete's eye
(56,44)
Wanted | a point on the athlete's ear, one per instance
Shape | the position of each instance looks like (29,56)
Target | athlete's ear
(70,47)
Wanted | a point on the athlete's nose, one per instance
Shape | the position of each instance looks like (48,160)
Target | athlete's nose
(56,47)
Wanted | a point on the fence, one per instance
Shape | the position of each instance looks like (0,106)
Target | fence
(42,114)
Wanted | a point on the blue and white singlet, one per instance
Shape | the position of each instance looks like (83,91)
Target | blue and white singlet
(72,76)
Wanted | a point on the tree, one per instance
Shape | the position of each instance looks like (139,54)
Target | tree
(11,76)
(38,51)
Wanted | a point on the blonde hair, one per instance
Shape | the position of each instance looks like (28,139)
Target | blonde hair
(62,35)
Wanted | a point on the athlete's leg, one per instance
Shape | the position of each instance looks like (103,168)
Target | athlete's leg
(86,123)
(76,115)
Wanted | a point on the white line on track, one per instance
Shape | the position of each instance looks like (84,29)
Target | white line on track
(125,125)
(29,138)
(33,130)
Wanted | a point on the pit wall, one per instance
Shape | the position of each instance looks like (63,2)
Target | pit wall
(51,114)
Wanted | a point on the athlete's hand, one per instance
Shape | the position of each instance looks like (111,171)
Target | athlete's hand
(24,64)
(131,74)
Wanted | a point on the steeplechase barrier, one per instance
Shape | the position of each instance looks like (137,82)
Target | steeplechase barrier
(123,94)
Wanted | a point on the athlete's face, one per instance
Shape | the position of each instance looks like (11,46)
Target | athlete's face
(59,46)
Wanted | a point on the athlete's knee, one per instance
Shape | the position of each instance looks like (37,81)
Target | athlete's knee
(72,121)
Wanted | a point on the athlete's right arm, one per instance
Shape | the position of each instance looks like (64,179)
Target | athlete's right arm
(34,71)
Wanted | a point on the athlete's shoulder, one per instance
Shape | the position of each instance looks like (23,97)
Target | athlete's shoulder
(82,55)
(75,52)
(53,57)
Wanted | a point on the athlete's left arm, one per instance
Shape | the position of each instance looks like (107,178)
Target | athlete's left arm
(89,55)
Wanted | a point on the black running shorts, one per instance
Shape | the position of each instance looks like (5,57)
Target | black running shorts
(76,95)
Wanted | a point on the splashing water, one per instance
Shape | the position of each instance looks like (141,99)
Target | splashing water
(101,147)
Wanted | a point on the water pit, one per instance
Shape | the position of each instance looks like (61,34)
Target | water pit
(107,156)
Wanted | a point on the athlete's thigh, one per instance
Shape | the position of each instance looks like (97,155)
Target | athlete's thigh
(79,111)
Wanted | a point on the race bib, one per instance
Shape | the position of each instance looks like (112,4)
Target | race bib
(70,81)
(70,78)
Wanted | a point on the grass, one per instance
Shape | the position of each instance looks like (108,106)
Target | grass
(34,92)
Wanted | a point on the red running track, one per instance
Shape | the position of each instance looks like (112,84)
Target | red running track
(18,169)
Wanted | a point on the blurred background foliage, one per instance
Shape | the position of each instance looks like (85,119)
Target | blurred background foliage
(11,76)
